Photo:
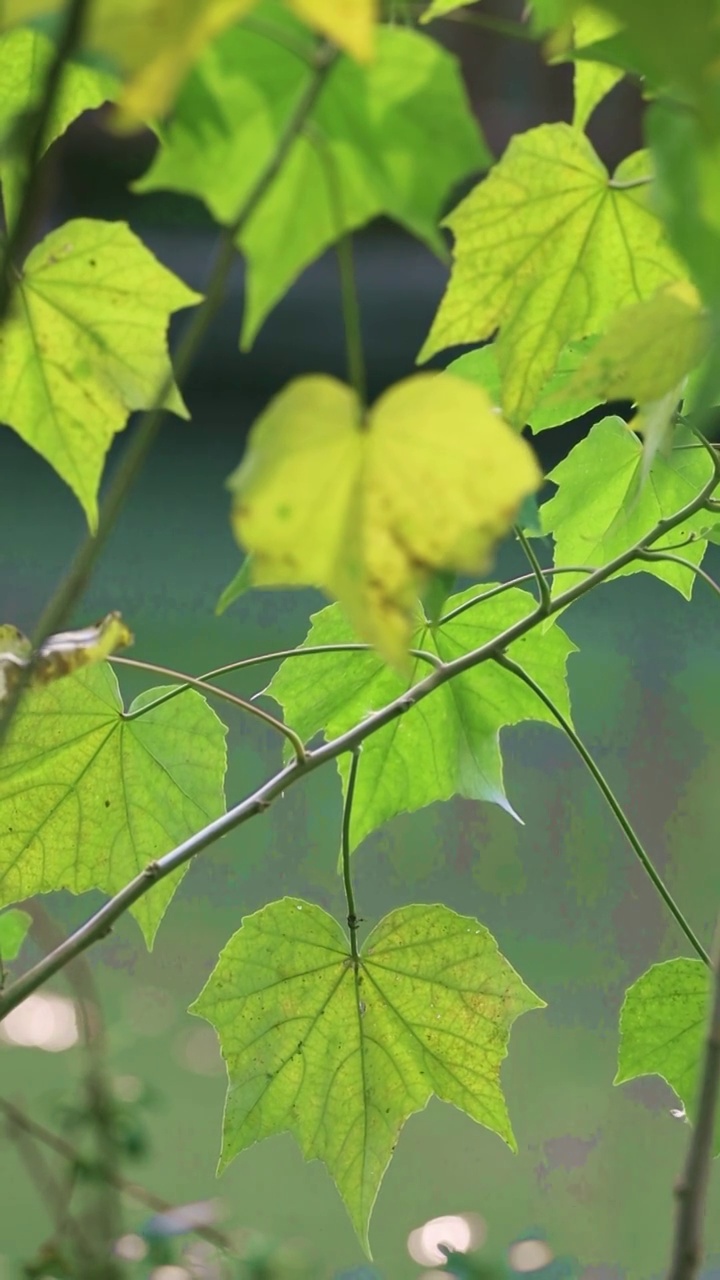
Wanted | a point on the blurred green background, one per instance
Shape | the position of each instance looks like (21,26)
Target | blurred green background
(563,894)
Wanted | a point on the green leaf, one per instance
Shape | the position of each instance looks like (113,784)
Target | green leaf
(449,743)
(598,512)
(592,80)
(340,1055)
(24,60)
(557,403)
(14,925)
(240,584)
(391,138)
(88,798)
(547,248)
(84,345)
(663,1025)
(437,8)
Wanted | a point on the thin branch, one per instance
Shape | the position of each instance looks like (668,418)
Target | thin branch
(544,597)
(506,586)
(504,661)
(100,924)
(69,40)
(352,917)
(306,650)
(198,682)
(105,1217)
(691,1188)
(75,580)
(687,564)
(46,1185)
(133,1190)
(628,184)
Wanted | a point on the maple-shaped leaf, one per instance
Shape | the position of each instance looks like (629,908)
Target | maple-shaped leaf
(392,138)
(598,511)
(558,402)
(581,245)
(60,654)
(88,798)
(341,1054)
(449,743)
(367,510)
(84,345)
(25,56)
(663,1029)
(154,43)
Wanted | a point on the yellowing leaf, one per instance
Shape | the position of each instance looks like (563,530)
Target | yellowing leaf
(60,654)
(592,80)
(85,345)
(154,43)
(24,59)
(547,249)
(340,1054)
(431,480)
(88,798)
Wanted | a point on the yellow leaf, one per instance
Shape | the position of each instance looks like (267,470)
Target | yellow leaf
(366,511)
(61,654)
(154,43)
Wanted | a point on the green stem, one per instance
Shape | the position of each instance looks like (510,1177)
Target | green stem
(75,580)
(506,586)
(544,597)
(100,924)
(351,319)
(70,38)
(687,564)
(504,661)
(193,682)
(348,286)
(352,918)
(255,661)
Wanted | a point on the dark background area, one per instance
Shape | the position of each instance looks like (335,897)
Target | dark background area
(569,906)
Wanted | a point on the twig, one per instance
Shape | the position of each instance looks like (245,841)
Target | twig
(352,917)
(687,564)
(691,1187)
(99,924)
(504,661)
(198,682)
(544,597)
(305,650)
(133,1191)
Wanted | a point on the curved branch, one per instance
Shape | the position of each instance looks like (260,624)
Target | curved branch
(197,682)
(100,924)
